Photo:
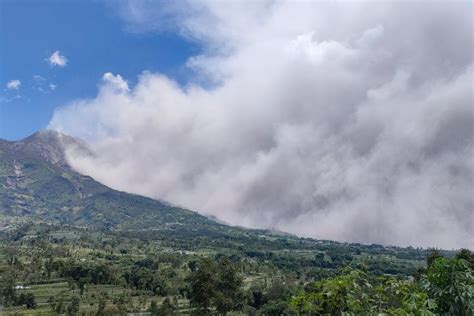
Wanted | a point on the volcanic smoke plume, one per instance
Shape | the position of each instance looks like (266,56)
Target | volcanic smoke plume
(341,121)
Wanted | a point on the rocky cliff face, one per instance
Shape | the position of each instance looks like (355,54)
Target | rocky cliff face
(47,145)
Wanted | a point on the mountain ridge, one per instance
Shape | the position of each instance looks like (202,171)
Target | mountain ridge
(49,144)
(35,179)
(38,185)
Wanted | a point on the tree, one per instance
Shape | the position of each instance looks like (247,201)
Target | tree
(217,285)
(120,304)
(228,294)
(256,297)
(355,292)
(166,308)
(57,305)
(202,285)
(27,299)
(467,255)
(7,292)
(192,265)
(73,307)
(450,282)
(276,298)
(30,300)
(102,304)
(432,256)
(274,308)
(153,309)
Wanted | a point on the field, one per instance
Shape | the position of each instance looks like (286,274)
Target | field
(52,269)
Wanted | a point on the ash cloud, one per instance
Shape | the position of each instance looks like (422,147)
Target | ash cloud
(344,121)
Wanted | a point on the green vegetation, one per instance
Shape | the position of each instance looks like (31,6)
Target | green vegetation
(48,270)
(445,288)
(216,284)
(71,246)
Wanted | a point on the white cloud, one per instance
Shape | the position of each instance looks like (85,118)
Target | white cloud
(115,82)
(42,84)
(350,122)
(38,78)
(56,59)
(13,84)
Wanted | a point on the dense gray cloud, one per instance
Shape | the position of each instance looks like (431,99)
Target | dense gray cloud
(345,121)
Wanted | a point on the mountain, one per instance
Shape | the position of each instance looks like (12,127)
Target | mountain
(37,186)
(47,205)
(36,183)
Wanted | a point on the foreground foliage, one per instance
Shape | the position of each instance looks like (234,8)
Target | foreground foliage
(52,270)
(447,288)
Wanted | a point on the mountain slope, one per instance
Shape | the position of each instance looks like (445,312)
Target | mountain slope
(58,227)
(36,183)
(40,194)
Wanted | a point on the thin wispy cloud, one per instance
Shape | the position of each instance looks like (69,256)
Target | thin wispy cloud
(38,78)
(41,84)
(13,84)
(57,60)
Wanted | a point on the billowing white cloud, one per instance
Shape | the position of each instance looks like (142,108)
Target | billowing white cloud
(56,59)
(343,121)
(13,84)
(116,83)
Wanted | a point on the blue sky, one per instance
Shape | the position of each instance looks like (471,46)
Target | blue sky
(93,39)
